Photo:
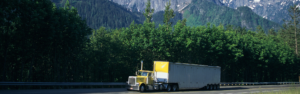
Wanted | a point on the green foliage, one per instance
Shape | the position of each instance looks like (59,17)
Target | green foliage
(158,18)
(243,56)
(290,30)
(40,42)
(168,15)
(148,12)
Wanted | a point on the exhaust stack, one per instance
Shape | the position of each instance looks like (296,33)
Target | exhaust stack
(141,65)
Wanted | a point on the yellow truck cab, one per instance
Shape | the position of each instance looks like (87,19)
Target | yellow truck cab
(143,81)
(172,76)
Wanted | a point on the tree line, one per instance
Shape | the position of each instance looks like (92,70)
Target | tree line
(42,43)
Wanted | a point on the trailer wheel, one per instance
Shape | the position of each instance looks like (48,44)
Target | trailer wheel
(218,86)
(142,88)
(215,87)
(211,87)
(175,87)
(207,87)
(169,88)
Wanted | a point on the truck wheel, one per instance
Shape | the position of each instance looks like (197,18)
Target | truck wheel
(175,87)
(215,87)
(211,87)
(218,86)
(142,88)
(169,88)
(160,87)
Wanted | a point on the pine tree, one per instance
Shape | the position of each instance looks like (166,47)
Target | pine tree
(169,14)
(290,28)
(148,12)
(295,14)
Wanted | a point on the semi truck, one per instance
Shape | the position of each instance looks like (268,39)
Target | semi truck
(175,76)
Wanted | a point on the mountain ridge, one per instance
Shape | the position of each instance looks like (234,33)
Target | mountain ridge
(201,12)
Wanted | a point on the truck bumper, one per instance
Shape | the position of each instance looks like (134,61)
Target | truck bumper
(129,87)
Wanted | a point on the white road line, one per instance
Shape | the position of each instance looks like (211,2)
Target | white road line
(242,93)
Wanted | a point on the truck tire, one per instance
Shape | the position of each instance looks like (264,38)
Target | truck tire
(160,87)
(169,88)
(218,87)
(175,87)
(211,87)
(215,87)
(142,88)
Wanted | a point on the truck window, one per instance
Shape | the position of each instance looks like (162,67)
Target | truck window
(143,73)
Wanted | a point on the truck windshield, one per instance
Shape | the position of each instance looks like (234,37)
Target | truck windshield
(143,73)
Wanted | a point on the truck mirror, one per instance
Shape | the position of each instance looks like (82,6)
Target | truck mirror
(136,73)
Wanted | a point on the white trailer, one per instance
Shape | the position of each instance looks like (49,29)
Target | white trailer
(188,76)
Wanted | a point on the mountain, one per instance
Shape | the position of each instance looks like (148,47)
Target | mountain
(274,10)
(157,5)
(201,12)
(110,14)
(105,13)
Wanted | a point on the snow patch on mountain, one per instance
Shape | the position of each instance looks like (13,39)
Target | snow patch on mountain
(274,10)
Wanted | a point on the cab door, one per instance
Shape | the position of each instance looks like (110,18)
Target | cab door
(150,78)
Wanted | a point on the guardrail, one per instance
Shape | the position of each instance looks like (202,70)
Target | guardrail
(123,83)
(255,83)
(73,85)
(61,83)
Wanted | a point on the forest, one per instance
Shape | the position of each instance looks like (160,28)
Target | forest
(40,42)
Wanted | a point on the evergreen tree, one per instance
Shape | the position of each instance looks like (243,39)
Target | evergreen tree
(169,14)
(148,12)
(295,14)
(290,29)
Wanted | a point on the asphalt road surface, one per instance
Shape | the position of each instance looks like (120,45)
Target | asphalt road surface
(223,90)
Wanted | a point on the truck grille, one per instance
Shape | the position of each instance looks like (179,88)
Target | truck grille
(131,81)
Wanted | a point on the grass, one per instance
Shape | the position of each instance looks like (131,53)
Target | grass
(292,90)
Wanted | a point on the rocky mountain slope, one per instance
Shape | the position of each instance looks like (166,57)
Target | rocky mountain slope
(197,12)
(201,12)
(105,13)
(274,10)
(157,5)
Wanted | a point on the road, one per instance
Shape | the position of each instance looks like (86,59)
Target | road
(223,90)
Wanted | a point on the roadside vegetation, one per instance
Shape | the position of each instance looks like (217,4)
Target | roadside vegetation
(292,90)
